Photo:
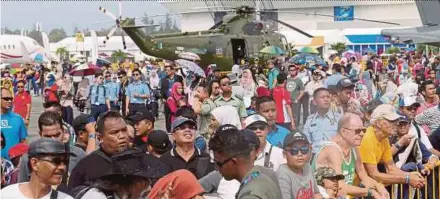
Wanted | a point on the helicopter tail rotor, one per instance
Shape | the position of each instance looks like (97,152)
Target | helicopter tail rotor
(110,34)
(105,11)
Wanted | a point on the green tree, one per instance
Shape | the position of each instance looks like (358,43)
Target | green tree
(393,50)
(62,52)
(147,21)
(56,35)
(339,47)
(118,55)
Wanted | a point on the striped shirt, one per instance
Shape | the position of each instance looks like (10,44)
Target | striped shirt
(429,117)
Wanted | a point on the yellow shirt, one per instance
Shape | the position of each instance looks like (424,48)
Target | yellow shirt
(374,151)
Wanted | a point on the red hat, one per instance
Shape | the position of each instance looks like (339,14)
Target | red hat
(18,150)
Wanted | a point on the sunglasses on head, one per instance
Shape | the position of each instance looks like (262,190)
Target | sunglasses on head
(7,98)
(295,150)
(56,160)
(358,131)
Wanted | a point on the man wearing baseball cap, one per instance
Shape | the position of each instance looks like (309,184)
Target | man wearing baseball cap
(158,143)
(184,155)
(344,102)
(143,124)
(296,177)
(268,155)
(375,147)
(84,126)
(327,180)
(48,160)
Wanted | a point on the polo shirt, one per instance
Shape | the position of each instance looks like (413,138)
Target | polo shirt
(21,100)
(374,151)
(276,137)
(176,162)
(14,130)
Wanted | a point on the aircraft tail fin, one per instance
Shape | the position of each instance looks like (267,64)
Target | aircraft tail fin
(94,51)
(429,12)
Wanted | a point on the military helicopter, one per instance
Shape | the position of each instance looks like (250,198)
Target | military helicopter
(236,36)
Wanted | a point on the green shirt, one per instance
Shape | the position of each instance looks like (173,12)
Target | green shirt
(259,183)
(294,86)
(235,101)
(205,115)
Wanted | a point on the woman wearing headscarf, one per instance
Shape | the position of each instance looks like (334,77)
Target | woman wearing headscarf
(248,84)
(176,99)
(226,114)
(180,184)
(66,98)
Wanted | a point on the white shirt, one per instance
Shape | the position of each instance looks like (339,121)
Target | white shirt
(228,189)
(424,138)
(13,192)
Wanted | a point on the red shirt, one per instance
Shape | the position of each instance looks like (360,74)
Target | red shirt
(263,91)
(21,100)
(282,97)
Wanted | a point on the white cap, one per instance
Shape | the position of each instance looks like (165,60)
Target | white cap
(252,119)
(409,101)
(384,111)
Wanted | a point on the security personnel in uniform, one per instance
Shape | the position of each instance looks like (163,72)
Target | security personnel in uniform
(137,93)
(322,125)
(234,159)
(227,98)
(112,88)
(98,97)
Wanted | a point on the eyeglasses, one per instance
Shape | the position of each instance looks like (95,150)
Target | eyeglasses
(256,127)
(186,126)
(7,98)
(357,131)
(403,123)
(411,108)
(20,86)
(56,160)
(108,76)
(226,84)
(221,163)
(119,77)
(295,150)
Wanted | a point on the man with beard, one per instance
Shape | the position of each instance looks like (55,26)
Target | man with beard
(112,132)
(341,154)
(12,125)
(48,159)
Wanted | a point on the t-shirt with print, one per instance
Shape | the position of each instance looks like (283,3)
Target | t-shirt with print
(294,86)
(374,151)
(14,130)
(297,186)
(14,192)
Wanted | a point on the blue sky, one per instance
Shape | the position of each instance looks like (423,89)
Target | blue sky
(68,15)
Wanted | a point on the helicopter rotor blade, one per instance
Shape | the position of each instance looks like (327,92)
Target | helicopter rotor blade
(141,26)
(107,13)
(110,34)
(120,8)
(290,26)
(123,41)
(332,16)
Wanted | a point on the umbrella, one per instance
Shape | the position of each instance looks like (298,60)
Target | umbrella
(309,50)
(273,50)
(349,54)
(304,58)
(85,70)
(189,56)
(191,66)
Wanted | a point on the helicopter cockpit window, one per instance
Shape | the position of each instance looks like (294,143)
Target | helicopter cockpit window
(253,28)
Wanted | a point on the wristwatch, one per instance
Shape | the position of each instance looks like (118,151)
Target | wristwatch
(92,136)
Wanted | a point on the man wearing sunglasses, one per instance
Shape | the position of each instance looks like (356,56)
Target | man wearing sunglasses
(185,155)
(296,177)
(23,102)
(12,124)
(234,159)
(112,89)
(268,155)
(137,93)
(47,162)
(341,154)
(228,98)
(375,147)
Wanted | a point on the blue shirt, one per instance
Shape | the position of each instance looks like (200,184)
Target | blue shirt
(98,94)
(139,88)
(319,129)
(333,80)
(112,89)
(276,137)
(273,73)
(14,130)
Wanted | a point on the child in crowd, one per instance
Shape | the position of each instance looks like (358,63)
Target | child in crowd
(327,180)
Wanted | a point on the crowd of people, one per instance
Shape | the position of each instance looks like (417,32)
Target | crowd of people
(273,130)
